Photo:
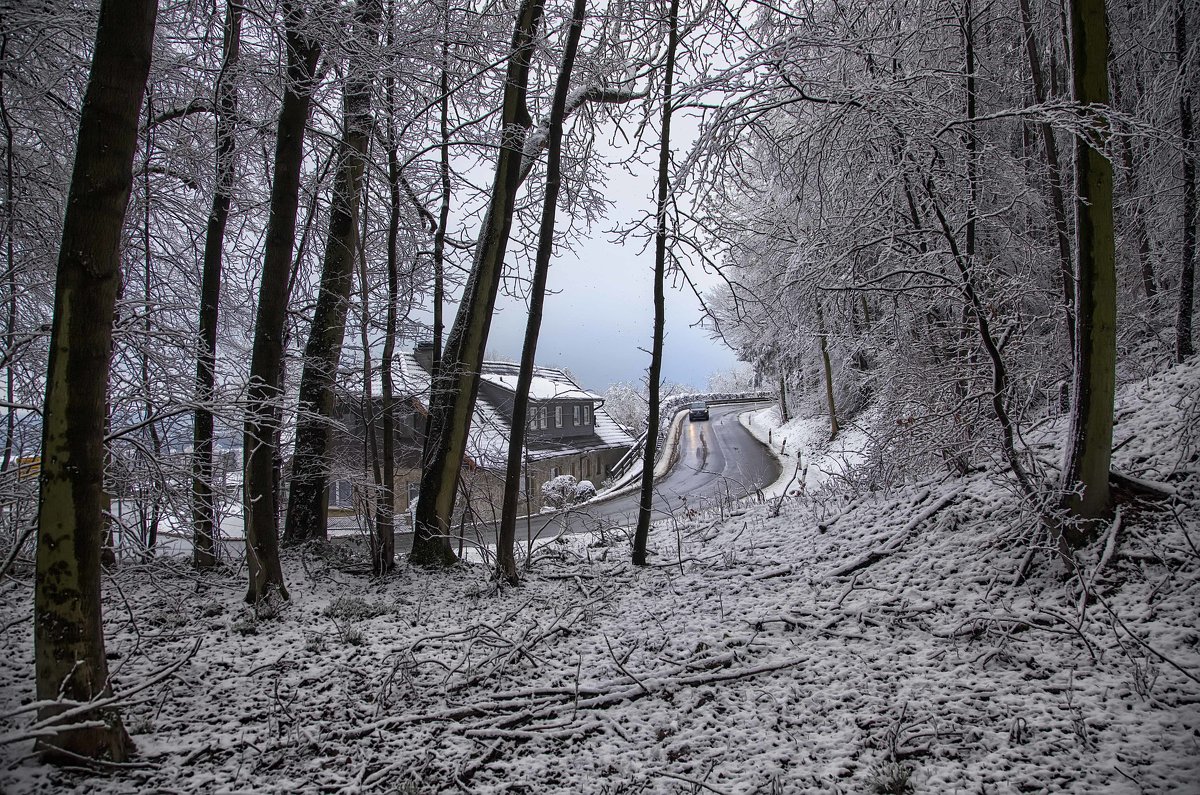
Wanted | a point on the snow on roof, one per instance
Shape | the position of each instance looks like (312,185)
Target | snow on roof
(487,440)
(547,384)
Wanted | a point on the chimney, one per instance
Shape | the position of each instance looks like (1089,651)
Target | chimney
(423,353)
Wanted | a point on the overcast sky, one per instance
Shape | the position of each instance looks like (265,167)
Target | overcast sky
(598,318)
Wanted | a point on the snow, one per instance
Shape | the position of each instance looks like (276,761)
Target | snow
(811,460)
(833,640)
(542,387)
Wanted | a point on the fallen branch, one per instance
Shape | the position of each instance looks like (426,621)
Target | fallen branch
(780,571)
(80,709)
(1149,489)
(896,541)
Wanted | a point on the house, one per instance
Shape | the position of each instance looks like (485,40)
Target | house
(569,433)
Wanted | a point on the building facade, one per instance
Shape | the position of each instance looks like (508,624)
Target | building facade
(569,433)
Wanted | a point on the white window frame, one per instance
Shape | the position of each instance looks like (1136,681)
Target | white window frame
(575,414)
(587,414)
(541,416)
(558,412)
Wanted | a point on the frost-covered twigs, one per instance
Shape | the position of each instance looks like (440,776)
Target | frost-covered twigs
(17,547)
(72,710)
(795,474)
(897,540)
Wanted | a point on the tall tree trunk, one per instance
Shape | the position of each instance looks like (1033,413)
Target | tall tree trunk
(1058,205)
(68,634)
(456,385)
(506,561)
(1088,446)
(203,510)
(385,511)
(646,502)
(10,276)
(308,504)
(156,488)
(1187,274)
(783,397)
(439,234)
(264,391)
(827,369)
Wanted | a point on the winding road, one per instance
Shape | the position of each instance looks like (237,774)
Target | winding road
(716,459)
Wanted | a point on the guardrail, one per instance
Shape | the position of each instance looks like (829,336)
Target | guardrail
(671,406)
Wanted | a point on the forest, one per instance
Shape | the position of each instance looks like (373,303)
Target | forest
(954,240)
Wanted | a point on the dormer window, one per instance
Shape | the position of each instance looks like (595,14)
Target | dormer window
(587,414)
(575,414)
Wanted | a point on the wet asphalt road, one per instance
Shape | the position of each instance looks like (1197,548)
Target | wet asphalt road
(717,459)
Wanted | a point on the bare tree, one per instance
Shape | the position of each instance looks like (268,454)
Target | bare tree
(1187,271)
(456,385)
(1088,449)
(264,391)
(68,637)
(645,506)
(307,509)
(506,562)
(203,511)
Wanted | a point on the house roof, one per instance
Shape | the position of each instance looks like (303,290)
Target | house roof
(487,441)
(547,383)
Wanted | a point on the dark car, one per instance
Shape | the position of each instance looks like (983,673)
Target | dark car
(698,411)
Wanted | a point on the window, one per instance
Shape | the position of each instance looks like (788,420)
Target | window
(533,418)
(575,414)
(587,415)
(553,472)
(341,494)
(558,416)
(542,417)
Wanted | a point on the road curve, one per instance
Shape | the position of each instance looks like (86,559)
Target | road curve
(717,459)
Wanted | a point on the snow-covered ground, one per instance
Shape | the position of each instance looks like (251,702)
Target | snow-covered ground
(825,642)
(811,460)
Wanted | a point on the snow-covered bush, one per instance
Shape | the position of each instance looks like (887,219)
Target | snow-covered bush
(564,491)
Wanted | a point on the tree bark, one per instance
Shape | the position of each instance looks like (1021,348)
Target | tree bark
(456,384)
(264,391)
(506,561)
(385,510)
(308,505)
(783,398)
(646,503)
(822,342)
(1187,273)
(439,234)
(68,634)
(1088,448)
(203,510)
(10,274)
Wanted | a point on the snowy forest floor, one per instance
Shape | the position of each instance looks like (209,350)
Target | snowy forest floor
(831,642)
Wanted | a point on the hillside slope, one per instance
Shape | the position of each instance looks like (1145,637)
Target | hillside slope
(833,642)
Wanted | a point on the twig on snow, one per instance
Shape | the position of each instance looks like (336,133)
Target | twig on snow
(896,541)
